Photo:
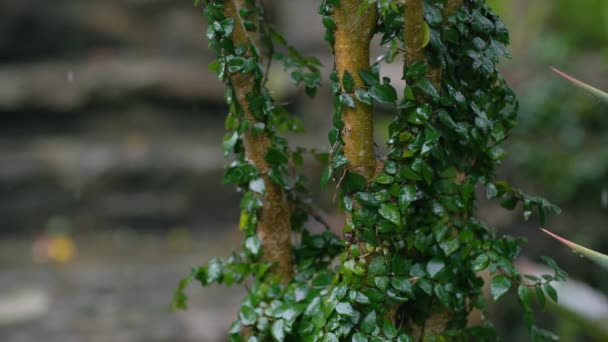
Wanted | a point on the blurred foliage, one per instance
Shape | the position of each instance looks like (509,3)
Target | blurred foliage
(559,142)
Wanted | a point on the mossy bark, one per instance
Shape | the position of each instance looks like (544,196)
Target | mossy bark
(274,225)
(351,52)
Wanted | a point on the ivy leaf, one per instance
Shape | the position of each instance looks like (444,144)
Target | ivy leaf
(276,157)
(377,266)
(389,329)
(442,295)
(540,296)
(347,100)
(383,93)
(425,84)
(481,262)
(330,337)
(407,195)
(229,142)
(499,286)
(353,182)
(367,198)
(278,330)
(345,309)
(359,337)
(383,178)
(524,296)
(247,315)
(369,78)
(390,212)
(551,292)
(348,81)
(404,338)
(434,266)
(449,246)
(363,96)
(257,185)
(369,322)
(402,284)
(253,245)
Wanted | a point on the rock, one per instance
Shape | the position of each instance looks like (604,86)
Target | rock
(23,305)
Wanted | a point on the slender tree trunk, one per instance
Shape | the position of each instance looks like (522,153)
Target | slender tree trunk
(351,51)
(274,225)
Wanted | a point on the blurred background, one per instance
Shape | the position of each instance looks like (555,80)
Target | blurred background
(111,163)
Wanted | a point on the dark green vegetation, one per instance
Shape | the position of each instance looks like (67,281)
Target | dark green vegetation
(411,252)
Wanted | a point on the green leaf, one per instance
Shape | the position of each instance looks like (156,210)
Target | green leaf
(434,266)
(359,337)
(257,185)
(389,329)
(442,295)
(499,286)
(275,157)
(405,338)
(347,100)
(348,81)
(353,182)
(383,93)
(449,246)
(328,23)
(383,178)
(377,266)
(369,78)
(427,86)
(390,212)
(180,298)
(540,296)
(510,203)
(363,96)
(278,330)
(481,262)
(551,292)
(253,245)
(345,309)
(326,175)
(247,315)
(524,295)
(369,322)
(598,258)
(381,283)
(426,35)
(367,198)
(594,91)
(402,284)
(427,173)
(330,337)
(407,195)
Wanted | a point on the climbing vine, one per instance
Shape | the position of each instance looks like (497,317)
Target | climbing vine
(411,256)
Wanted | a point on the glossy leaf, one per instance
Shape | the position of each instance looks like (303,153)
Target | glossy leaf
(499,286)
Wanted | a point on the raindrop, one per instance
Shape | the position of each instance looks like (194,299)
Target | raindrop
(70,76)
(604,199)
